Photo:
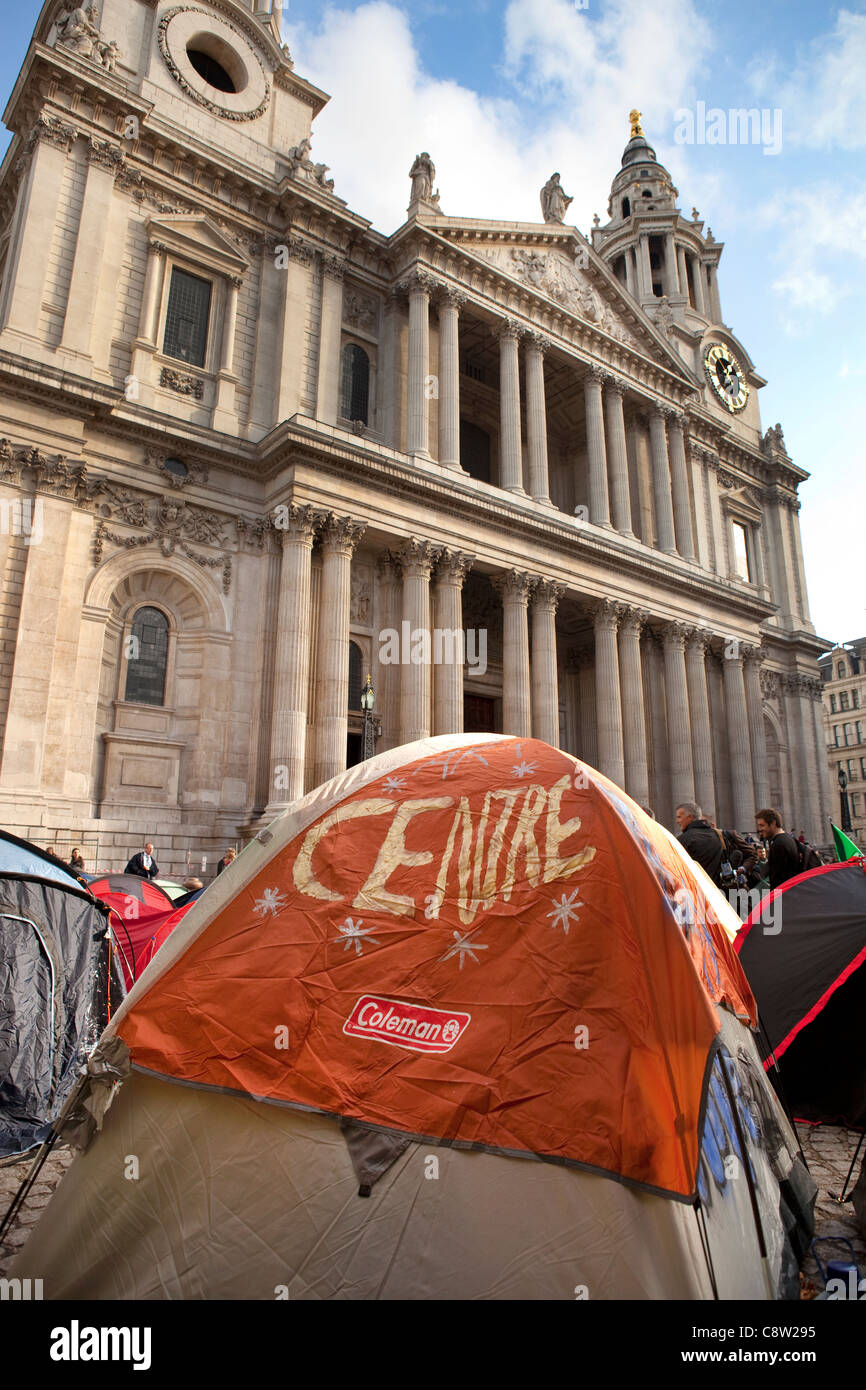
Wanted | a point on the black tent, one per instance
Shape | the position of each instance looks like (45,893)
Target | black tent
(804,952)
(59,985)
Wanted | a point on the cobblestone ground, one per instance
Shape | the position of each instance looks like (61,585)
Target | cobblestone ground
(828,1149)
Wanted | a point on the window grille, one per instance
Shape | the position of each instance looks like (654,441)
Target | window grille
(356,384)
(186,321)
(147,658)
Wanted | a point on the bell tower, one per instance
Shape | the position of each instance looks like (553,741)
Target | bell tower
(666,262)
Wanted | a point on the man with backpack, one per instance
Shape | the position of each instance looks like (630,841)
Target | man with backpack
(785,856)
(720,853)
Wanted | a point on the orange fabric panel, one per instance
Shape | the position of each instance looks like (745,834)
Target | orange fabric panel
(478,948)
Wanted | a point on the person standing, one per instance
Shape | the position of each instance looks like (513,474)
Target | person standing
(76,863)
(143,864)
(227,859)
(700,839)
(783,856)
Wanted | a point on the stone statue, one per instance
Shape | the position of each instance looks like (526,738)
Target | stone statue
(108,54)
(554,201)
(78,29)
(303,166)
(636,127)
(422,174)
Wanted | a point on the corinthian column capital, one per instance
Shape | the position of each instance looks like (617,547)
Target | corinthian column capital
(416,558)
(453,566)
(512,585)
(606,613)
(296,521)
(546,592)
(341,534)
(633,620)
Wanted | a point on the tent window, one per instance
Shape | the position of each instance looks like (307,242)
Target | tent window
(356,682)
(355,396)
(147,658)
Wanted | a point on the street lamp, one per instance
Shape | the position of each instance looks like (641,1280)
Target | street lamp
(846,812)
(368,699)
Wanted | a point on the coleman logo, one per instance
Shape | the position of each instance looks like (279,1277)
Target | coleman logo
(405,1025)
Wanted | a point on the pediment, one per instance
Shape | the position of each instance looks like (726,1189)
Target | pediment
(197,239)
(558,263)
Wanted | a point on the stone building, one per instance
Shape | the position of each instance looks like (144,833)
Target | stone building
(843,673)
(246,436)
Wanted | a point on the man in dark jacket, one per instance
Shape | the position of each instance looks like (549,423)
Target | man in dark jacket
(700,839)
(783,856)
(143,864)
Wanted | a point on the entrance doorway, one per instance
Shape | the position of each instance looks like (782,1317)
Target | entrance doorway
(479,714)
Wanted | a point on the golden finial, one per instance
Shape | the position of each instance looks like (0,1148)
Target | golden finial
(634,117)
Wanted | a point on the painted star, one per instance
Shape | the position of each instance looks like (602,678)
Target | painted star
(565,909)
(523,769)
(351,934)
(272,900)
(392,785)
(463,946)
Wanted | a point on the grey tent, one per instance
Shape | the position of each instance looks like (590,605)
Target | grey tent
(58,987)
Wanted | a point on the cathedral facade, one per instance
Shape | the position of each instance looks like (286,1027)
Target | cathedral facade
(253,450)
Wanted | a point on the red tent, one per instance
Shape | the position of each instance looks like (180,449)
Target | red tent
(139,912)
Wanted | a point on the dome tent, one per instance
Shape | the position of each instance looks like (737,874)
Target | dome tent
(60,982)
(464,1023)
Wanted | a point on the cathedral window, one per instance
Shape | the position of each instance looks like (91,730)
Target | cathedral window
(356,682)
(176,467)
(355,394)
(840,670)
(147,658)
(626,208)
(741,552)
(211,70)
(187,318)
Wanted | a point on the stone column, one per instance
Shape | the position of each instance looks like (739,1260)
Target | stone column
(633,719)
(89,247)
(511,462)
(630,272)
(387,677)
(449,378)
(698,469)
(683,272)
(588,727)
(288,364)
(546,594)
(717,521)
(416,559)
(713,286)
(340,536)
(824,785)
(536,417)
(776,502)
(757,737)
(599,510)
(797,548)
(225,415)
(655,705)
(513,588)
(451,571)
(679,719)
(698,280)
(739,748)
(807,775)
(680,486)
(611,756)
(38,205)
(662,483)
(719,725)
(639,446)
(292,660)
(645,275)
(671,286)
(572,705)
(699,716)
(417,417)
(330,342)
(617,456)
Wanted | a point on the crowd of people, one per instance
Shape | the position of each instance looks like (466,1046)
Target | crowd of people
(734,860)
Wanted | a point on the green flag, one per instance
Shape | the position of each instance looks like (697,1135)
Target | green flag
(845,848)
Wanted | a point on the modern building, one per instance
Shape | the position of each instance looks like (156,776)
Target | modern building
(843,672)
(253,449)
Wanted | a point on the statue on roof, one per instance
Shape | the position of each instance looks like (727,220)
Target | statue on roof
(554,200)
(636,128)
(423,174)
(78,29)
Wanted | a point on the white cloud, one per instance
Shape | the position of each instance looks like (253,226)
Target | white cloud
(572,82)
(824,98)
(820,237)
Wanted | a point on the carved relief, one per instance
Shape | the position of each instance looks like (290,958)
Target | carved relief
(360,310)
(361,599)
(181,382)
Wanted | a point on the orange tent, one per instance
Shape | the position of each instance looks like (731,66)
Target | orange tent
(471,944)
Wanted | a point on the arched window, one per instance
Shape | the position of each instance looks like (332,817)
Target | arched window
(626,208)
(355,403)
(840,670)
(147,657)
(356,681)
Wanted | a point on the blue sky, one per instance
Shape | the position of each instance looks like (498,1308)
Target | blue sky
(501,92)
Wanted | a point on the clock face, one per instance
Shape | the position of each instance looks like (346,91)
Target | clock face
(726,377)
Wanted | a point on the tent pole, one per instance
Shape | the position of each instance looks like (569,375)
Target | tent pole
(782,1093)
(47,1145)
(844,1198)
